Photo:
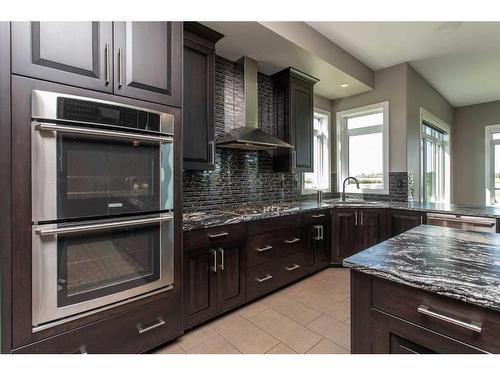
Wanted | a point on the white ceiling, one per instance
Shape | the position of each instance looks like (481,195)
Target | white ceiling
(462,64)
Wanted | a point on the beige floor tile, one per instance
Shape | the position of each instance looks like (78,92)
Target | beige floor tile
(298,287)
(329,304)
(297,311)
(252,309)
(173,348)
(289,332)
(281,349)
(244,335)
(332,329)
(215,345)
(327,347)
(196,337)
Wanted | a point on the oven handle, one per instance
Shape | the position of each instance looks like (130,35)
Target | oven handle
(101,226)
(103,133)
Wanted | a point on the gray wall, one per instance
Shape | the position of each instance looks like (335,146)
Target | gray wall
(390,85)
(468,150)
(420,94)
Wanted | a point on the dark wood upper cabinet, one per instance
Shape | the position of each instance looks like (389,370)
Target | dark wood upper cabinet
(148,61)
(199,96)
(72,53)
(294,115)
(402,220)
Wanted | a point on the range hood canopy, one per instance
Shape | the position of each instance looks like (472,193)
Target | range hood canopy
(250,137)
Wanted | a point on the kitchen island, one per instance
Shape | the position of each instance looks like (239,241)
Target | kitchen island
(428,290)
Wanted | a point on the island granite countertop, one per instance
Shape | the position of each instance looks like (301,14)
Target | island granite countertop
(198,220)
(450,262)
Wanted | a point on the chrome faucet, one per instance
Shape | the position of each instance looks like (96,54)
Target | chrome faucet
(343,186)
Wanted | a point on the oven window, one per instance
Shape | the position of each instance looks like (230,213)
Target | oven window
(97,176)
(96,264)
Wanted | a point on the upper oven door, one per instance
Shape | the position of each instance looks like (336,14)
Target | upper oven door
(85,172)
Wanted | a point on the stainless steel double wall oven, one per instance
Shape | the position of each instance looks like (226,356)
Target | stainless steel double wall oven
(102,205)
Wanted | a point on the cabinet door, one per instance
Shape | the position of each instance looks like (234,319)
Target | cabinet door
(345,242)
(199,285)
(231,278)
(401,221)
(72,53)
(318,254)
(322,256)
(302,115)
(391,335)
(198,106)
(148,58)
(372,223)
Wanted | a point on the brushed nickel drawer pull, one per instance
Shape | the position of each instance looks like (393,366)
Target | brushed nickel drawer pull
(472,326)
(218,235)
(293,240)
(159,324)
(291,268)
(316,216)
(262,249)
(265,278)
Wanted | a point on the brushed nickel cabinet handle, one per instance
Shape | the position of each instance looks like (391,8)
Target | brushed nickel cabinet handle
(120,68)
(262,249)
(221,258)
(211,146)
(265,278)
(218,235)
(361,214)
(319,232)
(294,267)
(214,254)
(316,216)
(292,240)
(472,326)
(158,324)
(294,161)
(356,218)
(106,63)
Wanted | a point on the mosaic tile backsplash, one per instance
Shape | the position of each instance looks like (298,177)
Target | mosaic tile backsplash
(247,177)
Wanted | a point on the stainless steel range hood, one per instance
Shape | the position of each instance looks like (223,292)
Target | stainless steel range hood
(250,137)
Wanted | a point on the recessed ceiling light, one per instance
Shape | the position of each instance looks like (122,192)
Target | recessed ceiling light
(344,85)
(446,27)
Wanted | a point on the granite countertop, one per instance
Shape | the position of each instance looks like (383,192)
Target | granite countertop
(197,220)
(451,262)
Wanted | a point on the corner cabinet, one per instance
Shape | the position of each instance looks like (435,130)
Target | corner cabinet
(294,115)
(402,220)
(140,60)
(199,96)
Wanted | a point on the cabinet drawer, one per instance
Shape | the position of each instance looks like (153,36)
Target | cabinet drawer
(134,331)
(423,306)
(317,217)
(274,224)
(208,237)
(270,276)
(269,246)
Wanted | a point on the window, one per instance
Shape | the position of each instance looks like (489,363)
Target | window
(492,162)
(319,179)
(362,148)
(434,163)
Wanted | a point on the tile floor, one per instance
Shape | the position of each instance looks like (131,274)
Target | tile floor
(310,316)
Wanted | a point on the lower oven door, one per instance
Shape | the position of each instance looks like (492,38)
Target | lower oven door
(95,265)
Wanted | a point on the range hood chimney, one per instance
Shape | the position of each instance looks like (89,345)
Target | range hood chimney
(249,136)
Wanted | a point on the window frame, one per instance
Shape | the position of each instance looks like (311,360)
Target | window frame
(327,116)
(436,122)
(489,162)
(342,135)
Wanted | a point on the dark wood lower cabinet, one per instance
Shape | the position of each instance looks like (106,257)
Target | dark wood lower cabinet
(402,220)
(231,277)
(389,319)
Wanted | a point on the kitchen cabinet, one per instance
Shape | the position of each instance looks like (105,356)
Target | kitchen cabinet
(199,96)
(140,60)
(402,220)
(355,230)
(293,93)
(72,53)
(148,59)
(319,231)
(214,275)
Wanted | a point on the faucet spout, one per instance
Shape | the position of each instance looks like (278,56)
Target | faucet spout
(343,185)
